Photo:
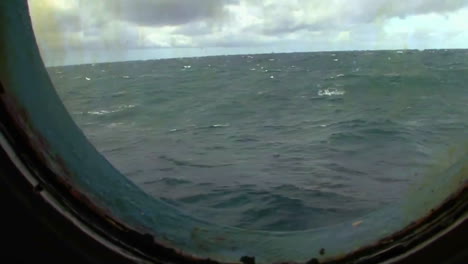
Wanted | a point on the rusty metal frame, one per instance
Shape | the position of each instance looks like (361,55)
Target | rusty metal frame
(30,152)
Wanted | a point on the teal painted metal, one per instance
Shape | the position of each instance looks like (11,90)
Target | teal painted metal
(28,84)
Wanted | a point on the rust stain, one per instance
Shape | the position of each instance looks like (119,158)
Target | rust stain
(358,223)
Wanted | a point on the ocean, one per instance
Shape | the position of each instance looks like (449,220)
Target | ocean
(278,142)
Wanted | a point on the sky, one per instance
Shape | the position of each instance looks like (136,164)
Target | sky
(90,31)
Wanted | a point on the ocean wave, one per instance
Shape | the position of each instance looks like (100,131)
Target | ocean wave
(362,123)
(205,197)
(99,112)
(331,92)
(119,108)
(169,181)
(341,169)
(295,213)
(115,124)
(244,139)
(214,126)
(260,209)
(346,137)
(330,140)
(119,94)
(383,131)
(185,163)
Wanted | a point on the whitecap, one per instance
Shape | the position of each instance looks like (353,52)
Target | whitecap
(126,77)
(187,66)
(115,110)
(112,125)
(336,60)
(330,92)
(400,52)
(121,107)
(88,79)
(272,77)
(340,75)
(120,93)
(100,112)
(391,74)
(220,125)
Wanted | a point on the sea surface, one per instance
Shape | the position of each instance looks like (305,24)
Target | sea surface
(274,141)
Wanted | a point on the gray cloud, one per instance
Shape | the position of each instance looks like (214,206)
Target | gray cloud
(341,14)
(196,29)
(167,12)
(233,40)
(416,7)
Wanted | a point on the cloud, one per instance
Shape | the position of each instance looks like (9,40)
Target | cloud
(285,16)
(62,26)
(196,28)
(167,12)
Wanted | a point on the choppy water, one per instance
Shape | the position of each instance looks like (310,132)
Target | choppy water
(274,141)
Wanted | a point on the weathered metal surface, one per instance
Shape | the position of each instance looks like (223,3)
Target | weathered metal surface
(99,188)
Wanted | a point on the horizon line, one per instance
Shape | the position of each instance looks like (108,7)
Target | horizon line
(249,54)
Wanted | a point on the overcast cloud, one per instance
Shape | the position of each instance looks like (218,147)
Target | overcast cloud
(78,31)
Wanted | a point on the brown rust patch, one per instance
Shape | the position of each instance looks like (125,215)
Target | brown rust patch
(357,223)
